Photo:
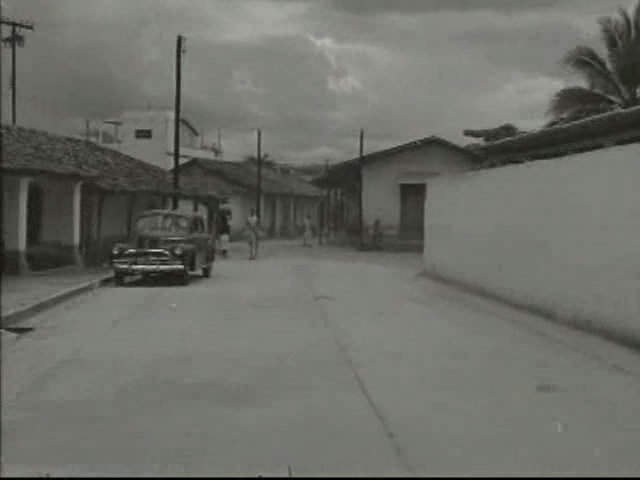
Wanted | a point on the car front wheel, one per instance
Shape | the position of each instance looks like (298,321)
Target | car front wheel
(184,277)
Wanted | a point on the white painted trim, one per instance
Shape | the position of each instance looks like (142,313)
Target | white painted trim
(415,177)
(76,222)
(76,212)
(23,212)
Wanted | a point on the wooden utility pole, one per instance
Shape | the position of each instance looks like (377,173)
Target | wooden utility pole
(259,179)
(360,206)
(16,39)
(176,121)
(327,208)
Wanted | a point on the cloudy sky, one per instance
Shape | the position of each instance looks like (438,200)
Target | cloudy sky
(310,73)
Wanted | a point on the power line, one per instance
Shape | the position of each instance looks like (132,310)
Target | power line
(16,39)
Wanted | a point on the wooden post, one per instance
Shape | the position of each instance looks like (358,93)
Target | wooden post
(176,121)
(259,174)
(360,189)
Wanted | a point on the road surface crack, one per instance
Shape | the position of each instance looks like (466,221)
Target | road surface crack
(401,455)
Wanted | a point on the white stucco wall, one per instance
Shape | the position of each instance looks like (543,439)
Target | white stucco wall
(382,179)
(152,150)
(240,206)
(10,198)
(562,235)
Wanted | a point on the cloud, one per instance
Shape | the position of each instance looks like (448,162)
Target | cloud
(309,73)
(412,7)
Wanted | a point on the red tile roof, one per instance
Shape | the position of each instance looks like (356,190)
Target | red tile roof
(26,150)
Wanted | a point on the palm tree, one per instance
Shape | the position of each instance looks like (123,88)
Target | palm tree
(612,81)
(266,161)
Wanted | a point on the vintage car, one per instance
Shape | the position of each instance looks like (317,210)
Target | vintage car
(165,242)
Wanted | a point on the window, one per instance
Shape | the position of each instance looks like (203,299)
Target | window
(143,133)
(162,223)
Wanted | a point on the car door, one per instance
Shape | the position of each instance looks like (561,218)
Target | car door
(201,242)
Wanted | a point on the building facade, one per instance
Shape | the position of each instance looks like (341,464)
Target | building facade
(149,136)
(285,198)
(66,201)
(394,187)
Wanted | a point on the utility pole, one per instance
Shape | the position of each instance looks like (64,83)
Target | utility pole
(176,121)
(16,39)
(360,207)
(259,179)
(327,207)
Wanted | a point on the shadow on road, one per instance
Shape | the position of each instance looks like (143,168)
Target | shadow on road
(159,281)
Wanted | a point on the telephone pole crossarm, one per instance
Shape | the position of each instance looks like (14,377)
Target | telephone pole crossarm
(16,39)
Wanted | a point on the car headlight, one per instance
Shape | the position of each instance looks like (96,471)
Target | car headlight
(177,251)
(116,250)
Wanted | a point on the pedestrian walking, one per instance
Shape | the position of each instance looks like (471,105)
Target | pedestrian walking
(252,234)
(224,232)
(307,236)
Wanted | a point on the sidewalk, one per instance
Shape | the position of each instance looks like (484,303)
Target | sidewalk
(26,294)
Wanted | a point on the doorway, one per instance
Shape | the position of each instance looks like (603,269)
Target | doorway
(412,198)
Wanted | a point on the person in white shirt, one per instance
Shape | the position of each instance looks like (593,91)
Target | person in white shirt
(252,234)
(308,234)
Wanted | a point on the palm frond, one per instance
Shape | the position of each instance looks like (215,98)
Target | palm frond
(626,64)
(608,33)
(635,19)
(624,26)
(594,69)
(571,100)
(622,40)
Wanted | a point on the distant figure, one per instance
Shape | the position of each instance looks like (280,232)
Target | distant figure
(252,234)
(308,234)
(224,230)
(376,234)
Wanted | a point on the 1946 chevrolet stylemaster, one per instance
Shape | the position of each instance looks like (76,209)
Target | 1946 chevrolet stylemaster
(165,242)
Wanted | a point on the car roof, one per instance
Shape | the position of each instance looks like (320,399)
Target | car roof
(158,211)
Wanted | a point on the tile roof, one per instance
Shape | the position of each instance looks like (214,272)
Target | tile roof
(347,171)
(596,130)
(244,176)
(27,150)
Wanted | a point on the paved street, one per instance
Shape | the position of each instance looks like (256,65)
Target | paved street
(321,361)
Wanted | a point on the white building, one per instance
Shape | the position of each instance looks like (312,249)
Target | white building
(148,135)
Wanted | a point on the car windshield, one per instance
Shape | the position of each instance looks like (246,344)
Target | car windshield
(167,223)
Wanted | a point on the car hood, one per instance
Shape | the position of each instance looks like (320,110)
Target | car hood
(149,240)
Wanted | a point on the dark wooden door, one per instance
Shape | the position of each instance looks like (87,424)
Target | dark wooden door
(412,198)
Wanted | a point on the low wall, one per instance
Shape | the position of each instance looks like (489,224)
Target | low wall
(560,236)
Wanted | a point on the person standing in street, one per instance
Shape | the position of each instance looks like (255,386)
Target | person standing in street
(252,234)
(224,230)
(308,234)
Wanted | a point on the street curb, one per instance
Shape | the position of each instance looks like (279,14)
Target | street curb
(609,334)
(17,315)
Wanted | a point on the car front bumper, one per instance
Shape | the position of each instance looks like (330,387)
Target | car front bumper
(132,269)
